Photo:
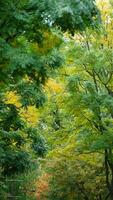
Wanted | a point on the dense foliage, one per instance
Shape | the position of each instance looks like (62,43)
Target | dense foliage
(56,99)
(79,123)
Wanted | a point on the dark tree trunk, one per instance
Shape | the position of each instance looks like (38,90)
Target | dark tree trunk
(109,172)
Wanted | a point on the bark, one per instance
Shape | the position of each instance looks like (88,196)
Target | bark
(109,173)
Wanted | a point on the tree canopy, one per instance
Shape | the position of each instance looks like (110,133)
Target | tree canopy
(56,99)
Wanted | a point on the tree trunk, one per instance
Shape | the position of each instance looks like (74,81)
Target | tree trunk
(109,172)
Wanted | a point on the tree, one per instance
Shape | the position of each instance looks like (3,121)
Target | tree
(24,70)
(88,102)
(91,96)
